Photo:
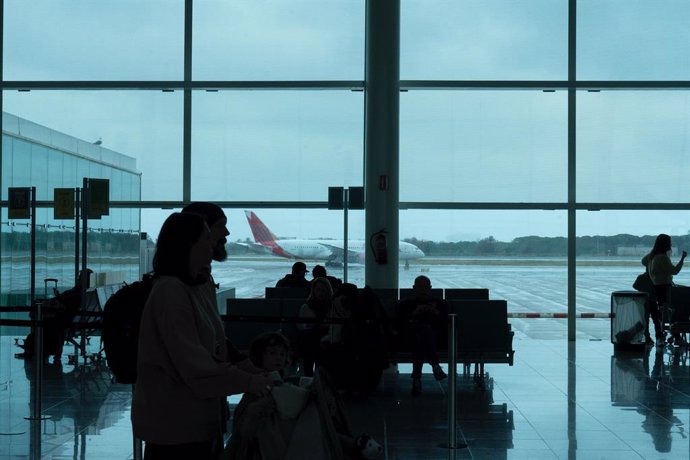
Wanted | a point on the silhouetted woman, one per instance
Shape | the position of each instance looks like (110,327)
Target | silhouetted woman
(182,373)
(661,271)
(318,306)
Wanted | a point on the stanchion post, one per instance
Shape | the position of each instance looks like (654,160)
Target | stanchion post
(33,246)
(452,432)
(37,389)
(38,362)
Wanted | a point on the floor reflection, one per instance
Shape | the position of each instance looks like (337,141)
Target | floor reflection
(78,402)
(655,383)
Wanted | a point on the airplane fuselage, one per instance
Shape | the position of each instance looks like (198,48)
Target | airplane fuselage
(332,249)
(328,250)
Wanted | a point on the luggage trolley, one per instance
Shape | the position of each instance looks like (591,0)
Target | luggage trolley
(54,331)
(80,337)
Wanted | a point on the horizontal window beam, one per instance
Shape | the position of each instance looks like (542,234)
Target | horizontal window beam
(356,85)
(404,205)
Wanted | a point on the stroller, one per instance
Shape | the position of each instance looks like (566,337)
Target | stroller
(321,431)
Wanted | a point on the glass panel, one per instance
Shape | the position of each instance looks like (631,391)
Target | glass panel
(633,40)
(610,246)
(483,146)
(632,146)
(275,145)
(312,235)
(86,40)
(278,40)
(113,249)
(484,40)
(520,256)
(95,134)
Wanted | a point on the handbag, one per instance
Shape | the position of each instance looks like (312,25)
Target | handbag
(643,283)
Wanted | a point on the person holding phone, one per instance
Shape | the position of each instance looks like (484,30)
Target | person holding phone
(661,270)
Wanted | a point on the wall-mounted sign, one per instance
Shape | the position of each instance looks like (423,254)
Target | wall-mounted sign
(64,203)
(19,206)
(99,198)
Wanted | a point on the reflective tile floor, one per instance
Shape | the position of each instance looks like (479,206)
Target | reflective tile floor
(563,401)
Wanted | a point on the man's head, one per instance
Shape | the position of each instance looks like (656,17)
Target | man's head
(299,269)
(319,271)
(422,288)
(217,222)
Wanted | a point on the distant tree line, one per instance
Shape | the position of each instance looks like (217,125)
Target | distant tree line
(616,245)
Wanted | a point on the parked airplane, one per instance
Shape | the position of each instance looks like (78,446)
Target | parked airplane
(328,250)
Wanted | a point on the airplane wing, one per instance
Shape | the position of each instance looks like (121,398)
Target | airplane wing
(254,247)
(338,253)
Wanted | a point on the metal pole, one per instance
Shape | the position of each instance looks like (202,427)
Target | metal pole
(38,362)
(33,246)
(84,229)
(452,441)
(346,205)
(77,216)
(37,387)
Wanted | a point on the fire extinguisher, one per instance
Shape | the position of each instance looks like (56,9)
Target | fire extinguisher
(379,247)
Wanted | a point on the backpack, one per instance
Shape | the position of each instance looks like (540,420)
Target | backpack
(121,318)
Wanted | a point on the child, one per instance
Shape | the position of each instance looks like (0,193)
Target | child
(302,420)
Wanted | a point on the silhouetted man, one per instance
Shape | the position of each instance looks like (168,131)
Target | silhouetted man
(295,279)
(319,271)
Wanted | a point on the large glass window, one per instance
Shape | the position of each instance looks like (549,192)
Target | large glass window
(113,247)
(632,146)
(484,40)
(610,246)
(520,256)
(483,146)
(278,40)
(275,145)
(134,131)
(633,40)
(86,40)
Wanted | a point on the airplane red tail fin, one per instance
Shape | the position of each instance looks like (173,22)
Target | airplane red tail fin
(261,233)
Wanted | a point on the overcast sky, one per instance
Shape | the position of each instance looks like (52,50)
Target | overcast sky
(455,146)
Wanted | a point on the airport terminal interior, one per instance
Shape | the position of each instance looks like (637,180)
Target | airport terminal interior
(521,155)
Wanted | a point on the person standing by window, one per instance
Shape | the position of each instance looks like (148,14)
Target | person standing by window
(183,375)
(661,271)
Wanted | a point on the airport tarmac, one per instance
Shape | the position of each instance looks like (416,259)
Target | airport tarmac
(539,287)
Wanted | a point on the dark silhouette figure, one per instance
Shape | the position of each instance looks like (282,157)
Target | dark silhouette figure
(319,305)
(422,321)
(319,271)
(217,223)
(661,271)
(295,279)
(183,374)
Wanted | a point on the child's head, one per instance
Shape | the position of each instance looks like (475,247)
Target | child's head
(270,351)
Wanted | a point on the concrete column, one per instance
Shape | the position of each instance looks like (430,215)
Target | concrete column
(381,163)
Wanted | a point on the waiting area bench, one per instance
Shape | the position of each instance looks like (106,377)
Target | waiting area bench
(484,335)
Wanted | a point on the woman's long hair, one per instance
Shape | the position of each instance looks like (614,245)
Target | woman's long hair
(321,307)
(662,244)
(179,233)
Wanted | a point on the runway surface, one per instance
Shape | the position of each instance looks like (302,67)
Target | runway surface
(529,286)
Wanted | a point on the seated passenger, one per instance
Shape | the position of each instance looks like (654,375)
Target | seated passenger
(300,419)
(424,319)
(319,305)
(295,279)
(319,271)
